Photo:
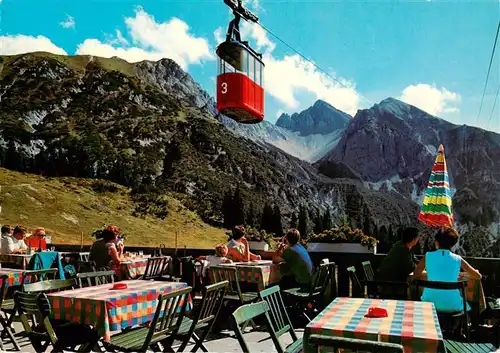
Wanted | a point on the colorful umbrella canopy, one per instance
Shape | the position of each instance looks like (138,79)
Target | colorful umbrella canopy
(437,207)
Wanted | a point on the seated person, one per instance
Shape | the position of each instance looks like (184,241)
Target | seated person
(298,260)
(14,244)
(219,258)
(442,265)
(105,252)
(238,247)
(37,240)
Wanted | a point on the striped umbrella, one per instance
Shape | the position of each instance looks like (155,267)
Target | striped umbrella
(437,209)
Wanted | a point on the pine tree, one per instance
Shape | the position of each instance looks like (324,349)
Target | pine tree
(266,222)
(251,215)
(227,210)
(327,219)
(366,226)
(239,208)
(318,222)
(277,224)
(294,221)
(303,218)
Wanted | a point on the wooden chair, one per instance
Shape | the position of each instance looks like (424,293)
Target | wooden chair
(464,347)
(165,325)
(368,270)
(33,276)
(155,268)
(50,286)
(35,307)
(86,266)
(446,320)
(234,293)
(212,297)
(357,290)
(5,322)
(279,320)
(353,344)
(90,279)
(246,313)
(302,299)
(84,256)
(332,278)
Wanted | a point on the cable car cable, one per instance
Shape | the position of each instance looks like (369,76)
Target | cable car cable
(488,74)
(311,62)
(494,104)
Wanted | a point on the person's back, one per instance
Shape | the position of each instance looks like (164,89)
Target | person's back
(99,253)
(299,263)
(443,266)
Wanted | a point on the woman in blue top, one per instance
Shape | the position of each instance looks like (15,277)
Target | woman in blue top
(444,266)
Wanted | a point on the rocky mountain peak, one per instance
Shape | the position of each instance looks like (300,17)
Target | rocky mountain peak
(320,118)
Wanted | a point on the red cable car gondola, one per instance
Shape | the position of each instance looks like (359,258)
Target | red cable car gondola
(240,95)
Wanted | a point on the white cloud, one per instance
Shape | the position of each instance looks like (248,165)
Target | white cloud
(21,44)
(69,22)
(285,78)
(431,99)
(152,41)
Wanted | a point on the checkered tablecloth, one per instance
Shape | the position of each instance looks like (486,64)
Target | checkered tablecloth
(413,324)
(130,269)
(15,276)
(112,310)
(263,275)
(17,259)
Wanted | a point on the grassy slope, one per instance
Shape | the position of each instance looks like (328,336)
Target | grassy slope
(66,207)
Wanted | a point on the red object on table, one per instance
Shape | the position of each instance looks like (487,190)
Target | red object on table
(376,312)
(120,286)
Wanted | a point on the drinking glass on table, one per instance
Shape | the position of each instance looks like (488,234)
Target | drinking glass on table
(141,253)
(52,248)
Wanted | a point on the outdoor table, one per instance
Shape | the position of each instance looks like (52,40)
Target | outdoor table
(132,268)
(15,276)
(21,260)
(112,310)
(263,273)
(413,324)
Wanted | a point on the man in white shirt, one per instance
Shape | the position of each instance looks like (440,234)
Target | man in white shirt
(5,232)
(14,244)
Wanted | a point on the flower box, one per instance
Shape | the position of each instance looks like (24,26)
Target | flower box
(258,245)
(341,248)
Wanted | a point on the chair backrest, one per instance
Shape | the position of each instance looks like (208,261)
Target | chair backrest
(168,317)
(35,307)
(332,275)
(3,287)
(84,256)
(280,321)
(248,312)
(353,344)
(212,299)
(90,279)
(357,289)
(227,273)
(49,286)
(155,267)
(368,269)
(32,276)
(86,266)
(319,280)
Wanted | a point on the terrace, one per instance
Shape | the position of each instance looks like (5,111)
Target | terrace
(223,339)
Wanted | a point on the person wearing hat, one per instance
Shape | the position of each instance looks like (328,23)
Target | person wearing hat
(442,265)
(37,240)
(238,246)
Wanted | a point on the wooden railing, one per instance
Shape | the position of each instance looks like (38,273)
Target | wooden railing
(489,267)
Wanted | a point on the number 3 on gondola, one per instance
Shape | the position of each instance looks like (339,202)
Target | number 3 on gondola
(224,88)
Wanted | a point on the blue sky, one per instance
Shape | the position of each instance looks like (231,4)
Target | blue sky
(433,54)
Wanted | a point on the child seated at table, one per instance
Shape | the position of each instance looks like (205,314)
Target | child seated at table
(219,258)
